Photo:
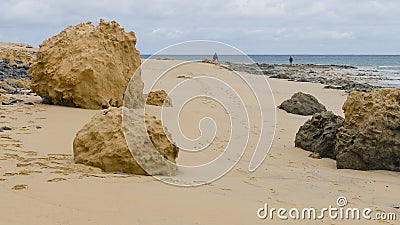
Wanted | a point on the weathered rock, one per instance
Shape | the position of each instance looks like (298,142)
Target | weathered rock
(46,101)
(13,84)
(14,63)
(101,143)
(158,98)
(19,47)
(302,104)
(15,58)
(12,72)
(280,76)
(315,155)
(88,67)
(3,99)
(370,136)
(318,134)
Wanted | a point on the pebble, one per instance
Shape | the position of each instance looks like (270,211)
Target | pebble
(2,129)
(46,101)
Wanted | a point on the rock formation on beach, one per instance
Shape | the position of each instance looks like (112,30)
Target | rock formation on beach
(19,47)
(13,71)
(158,98)
(340,77)
(302,104)
(87,66)
(319,134)
(370,136)
(15,58)
(101,143)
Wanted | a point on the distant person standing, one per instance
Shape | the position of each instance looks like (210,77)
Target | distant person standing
(215,59)
(291,60)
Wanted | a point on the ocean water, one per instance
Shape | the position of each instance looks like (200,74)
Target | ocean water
(385,66)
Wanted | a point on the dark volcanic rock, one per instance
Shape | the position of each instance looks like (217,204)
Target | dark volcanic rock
(302,104)
(12,75)
(318,134)
(47,101)
(6,103)
(12,72)
(4,128)
(370,136)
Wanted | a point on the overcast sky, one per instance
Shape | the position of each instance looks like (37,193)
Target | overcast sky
(254,26)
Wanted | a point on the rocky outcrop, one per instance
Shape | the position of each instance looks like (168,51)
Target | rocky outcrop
(340,77)
(15,58)
(13,72)
(87,66)
(101,143)
(318,134)
(370,136)
(19,47)
(302,104)
(158,98)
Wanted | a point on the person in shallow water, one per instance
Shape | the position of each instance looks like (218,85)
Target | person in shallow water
(291,60)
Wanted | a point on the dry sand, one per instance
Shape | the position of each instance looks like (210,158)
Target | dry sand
(39,184)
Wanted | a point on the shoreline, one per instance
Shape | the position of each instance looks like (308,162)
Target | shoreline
(342,77)
(333,76)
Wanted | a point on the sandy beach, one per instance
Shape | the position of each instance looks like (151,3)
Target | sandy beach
(40,184)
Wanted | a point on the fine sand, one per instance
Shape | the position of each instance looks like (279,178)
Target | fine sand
(40,184)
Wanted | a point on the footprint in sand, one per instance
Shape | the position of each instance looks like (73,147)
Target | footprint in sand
(310,177)
(14,156)
(30,153)
(225,189)
(11,174)
(23,164)
(20,187)
(17,145)
(291,164)
(22,173)
(6,136)
(56,180)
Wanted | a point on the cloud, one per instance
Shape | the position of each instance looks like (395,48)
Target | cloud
(250,25)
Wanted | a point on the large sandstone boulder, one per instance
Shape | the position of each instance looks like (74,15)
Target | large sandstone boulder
(101,143)
(88,66)
(318,134)
(302,104)
(370,136)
